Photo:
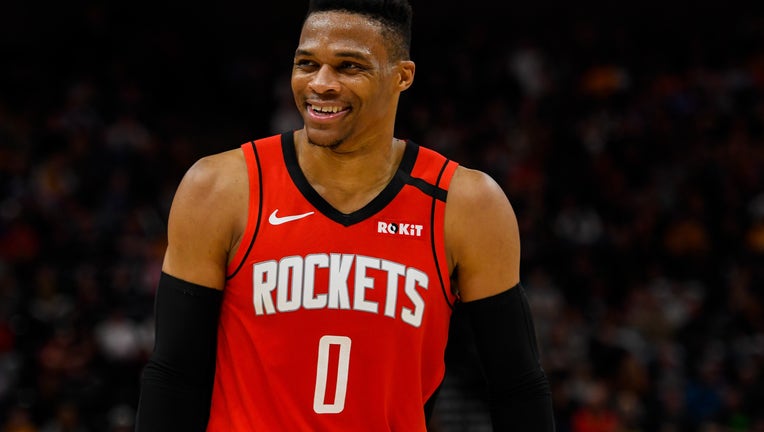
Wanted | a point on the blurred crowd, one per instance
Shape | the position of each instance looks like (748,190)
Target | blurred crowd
(631,146)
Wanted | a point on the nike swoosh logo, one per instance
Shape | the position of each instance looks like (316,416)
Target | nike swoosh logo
(276,220)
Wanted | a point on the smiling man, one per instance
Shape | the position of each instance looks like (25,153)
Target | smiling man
(307,279)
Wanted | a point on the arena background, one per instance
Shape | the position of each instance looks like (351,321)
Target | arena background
(629,137)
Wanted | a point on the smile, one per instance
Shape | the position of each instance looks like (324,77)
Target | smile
(327,111)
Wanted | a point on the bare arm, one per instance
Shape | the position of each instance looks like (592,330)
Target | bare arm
(204,224)
(481,235)
(484,248)
(207,218)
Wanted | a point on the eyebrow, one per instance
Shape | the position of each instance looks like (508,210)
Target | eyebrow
(349,54)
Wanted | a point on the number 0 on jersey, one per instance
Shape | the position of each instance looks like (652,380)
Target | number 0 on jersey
(322,371)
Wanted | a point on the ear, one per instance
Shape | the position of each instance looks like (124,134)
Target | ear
(406,69)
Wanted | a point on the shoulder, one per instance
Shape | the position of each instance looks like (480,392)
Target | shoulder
(220,173)
(213,191)
(482,235)
(477,197)
(207,217)
(216,181)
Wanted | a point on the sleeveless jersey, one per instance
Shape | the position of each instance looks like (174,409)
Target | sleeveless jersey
(333,321)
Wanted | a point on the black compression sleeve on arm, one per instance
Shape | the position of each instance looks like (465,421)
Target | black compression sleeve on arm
(176,385)
(519,394)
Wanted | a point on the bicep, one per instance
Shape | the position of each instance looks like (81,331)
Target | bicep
(198,231)
(482,236)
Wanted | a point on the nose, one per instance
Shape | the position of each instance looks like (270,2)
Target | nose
(325,80)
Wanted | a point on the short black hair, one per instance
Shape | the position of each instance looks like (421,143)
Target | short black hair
(394,16)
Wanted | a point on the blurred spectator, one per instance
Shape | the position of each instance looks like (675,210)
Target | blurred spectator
(18,420)
(596,414)
(66,419)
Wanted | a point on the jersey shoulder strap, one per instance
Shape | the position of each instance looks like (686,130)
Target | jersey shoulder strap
(252,155)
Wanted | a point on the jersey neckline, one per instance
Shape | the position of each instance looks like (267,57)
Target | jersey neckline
(371,208)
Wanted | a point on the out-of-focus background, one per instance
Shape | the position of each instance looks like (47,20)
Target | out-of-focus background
(629,138)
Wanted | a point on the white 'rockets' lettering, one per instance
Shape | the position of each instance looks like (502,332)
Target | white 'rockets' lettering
(294,280)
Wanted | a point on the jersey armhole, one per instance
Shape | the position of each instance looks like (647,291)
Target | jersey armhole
(253,209)
(439,232)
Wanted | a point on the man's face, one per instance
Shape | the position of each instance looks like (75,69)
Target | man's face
(344,84)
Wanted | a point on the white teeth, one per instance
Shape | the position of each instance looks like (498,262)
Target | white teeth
(332,109)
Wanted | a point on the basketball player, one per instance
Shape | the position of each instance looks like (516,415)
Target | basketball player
(306,284)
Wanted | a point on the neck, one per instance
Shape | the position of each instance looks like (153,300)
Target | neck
(350,175)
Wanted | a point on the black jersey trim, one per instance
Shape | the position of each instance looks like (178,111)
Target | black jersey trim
(259,211)
(431,190)
(346,219)
(432,231)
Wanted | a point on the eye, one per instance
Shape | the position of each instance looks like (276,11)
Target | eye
(304,64)
(350,67)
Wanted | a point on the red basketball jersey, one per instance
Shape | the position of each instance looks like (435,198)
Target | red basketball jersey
(332,321)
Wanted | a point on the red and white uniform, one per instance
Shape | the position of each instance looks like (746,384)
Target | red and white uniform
(332,321)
